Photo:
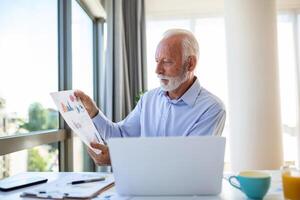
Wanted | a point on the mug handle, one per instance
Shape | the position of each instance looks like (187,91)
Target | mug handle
(233,184)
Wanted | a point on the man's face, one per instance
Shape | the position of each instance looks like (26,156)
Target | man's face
(170,66)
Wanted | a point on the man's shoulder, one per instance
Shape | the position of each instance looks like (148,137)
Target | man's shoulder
(210,99)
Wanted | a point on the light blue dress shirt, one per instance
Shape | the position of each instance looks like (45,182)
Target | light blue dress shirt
(196,113)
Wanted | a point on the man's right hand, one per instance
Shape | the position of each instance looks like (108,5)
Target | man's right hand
(88,103)
(100,159)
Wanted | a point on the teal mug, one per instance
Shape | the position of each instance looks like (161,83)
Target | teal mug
(254,184)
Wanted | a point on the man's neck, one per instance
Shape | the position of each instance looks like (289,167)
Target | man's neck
(176,94)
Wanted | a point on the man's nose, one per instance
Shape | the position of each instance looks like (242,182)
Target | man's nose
(159,68)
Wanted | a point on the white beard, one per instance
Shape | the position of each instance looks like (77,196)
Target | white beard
(173,82)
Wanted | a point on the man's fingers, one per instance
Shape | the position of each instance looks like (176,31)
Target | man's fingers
(91,152)
(80,94)
(92,155)
(98,159)
(99,146)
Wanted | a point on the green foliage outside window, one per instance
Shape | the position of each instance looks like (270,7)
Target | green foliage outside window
(35,161)
(40,119)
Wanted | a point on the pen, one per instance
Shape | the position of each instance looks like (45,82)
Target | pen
(87,181)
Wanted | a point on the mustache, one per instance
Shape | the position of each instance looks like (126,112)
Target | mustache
(160,76)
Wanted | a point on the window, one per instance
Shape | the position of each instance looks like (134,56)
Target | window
(288,85)
(82,61)
(28,73)
(36,58)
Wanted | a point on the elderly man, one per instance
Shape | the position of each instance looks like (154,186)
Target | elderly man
(180,107)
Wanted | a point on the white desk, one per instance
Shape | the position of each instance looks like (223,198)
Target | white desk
(228,192)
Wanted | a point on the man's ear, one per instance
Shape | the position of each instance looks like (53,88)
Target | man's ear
(192,62)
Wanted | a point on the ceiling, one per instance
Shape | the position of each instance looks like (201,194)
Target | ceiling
(187,8)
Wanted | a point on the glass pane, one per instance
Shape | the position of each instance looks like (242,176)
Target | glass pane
(42,158)
(288,91)
(28,65)
(82,50)
(82,61)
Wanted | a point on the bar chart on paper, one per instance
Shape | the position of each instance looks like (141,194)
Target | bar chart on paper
(76,116)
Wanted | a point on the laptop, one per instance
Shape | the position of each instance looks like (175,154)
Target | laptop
(168,165)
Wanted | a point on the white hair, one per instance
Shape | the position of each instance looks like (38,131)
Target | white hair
(190,46)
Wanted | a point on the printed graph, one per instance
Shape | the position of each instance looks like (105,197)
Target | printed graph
(76,116)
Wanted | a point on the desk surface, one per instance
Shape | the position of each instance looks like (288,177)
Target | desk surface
(228,192)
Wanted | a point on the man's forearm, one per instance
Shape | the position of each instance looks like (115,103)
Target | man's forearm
(106,127)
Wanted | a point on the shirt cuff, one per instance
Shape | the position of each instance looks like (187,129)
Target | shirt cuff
(100,122)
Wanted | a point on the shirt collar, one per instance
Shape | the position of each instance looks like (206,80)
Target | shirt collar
(190,96)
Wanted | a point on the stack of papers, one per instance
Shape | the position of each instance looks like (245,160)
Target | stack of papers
(63,189)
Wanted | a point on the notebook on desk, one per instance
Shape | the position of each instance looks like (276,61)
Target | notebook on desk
(64,189)
(168,166)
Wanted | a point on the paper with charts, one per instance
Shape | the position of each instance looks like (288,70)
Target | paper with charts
(76,116)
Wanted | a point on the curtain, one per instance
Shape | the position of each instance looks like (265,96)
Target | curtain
(123,75)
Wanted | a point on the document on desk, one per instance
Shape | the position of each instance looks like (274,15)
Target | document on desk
(63,189)
(76,116)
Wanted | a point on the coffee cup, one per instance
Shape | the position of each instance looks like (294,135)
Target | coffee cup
(254,184)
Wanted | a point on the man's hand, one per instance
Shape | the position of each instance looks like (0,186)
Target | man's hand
(102,158)
(88,103)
